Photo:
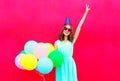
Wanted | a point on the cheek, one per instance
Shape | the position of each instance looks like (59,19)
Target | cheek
(64,32)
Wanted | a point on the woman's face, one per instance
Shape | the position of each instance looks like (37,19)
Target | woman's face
(67,30)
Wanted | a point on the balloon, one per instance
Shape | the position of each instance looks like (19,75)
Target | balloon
(44,66)
(23,52)
(29,46)
(29,62)
(50,47)
(40,50)
(56,58)
(17,61)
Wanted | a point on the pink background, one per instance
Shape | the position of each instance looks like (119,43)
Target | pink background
(96,52)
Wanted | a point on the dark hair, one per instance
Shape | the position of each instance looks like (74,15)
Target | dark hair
(70,36)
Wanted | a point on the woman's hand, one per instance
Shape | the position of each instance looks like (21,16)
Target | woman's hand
(87,8)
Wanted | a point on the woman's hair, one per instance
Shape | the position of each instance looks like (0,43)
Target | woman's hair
(70,36)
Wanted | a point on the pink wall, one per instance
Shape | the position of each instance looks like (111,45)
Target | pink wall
(97,51)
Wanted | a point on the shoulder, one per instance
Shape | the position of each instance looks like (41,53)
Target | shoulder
(57,41)
(70,43)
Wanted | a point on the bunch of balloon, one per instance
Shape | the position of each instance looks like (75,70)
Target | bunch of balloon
(41,57)
(26,60)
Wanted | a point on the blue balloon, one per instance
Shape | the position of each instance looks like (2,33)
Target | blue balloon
(44,66)
(29,46)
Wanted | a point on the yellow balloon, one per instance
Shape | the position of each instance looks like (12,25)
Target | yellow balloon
(29,62)
(51,48)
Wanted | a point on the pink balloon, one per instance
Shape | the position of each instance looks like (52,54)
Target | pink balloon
(40,50)
(17,61)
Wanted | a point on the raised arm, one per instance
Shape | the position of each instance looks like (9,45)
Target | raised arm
(80,24)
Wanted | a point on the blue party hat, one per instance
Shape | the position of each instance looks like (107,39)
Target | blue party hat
(67,20)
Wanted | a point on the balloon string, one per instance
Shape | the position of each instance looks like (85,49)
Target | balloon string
(43,77)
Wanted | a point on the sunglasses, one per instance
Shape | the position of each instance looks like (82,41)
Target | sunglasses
(65,28)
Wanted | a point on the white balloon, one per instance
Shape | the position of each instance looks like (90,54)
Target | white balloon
(40,50)
(17,61)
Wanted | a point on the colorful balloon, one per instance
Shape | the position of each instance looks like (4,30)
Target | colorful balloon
(40,50)
(56,58)
(29,46)
(29,62)
(44,66)
(50,47)
(23,52)
(17,61)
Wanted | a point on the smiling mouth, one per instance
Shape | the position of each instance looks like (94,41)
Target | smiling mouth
(67,32)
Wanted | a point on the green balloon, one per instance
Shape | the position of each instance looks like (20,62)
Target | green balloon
(56,58)
(23,52)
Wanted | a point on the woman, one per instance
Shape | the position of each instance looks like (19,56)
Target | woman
(67,70)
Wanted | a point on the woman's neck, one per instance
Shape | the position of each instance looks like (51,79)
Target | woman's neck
(65,38)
